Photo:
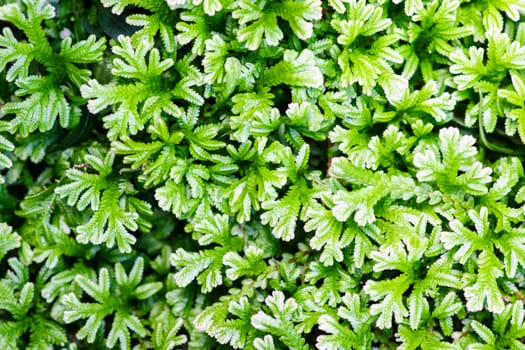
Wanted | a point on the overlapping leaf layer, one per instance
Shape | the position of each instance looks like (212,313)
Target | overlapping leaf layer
(297,174)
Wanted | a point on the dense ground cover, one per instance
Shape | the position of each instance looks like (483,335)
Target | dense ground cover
(293,174)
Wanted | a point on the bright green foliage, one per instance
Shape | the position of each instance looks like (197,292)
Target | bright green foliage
(297,174)
(442,165)
(165,333)
(354,333)
(28,326)
(111,295)
(279,321)
(114,214)
(143,100)
(294,70)
(470,70)
(421,101)
(157,23)
(9,240)
(490,268)
(362,64)
(515,96)
(5,145)
(434,26)
(506,331)
(45,96)
(259,19)
(206,265)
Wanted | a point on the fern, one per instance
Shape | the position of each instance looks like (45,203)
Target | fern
(45,97)
(206,266)
(434,26)
(280,321)
(360,65)
(297,174)
(128,286)
(457,155)
(26,325)
(258,21)
(503,55)
(113,217)
(136,106)
(10,240)
(337,335)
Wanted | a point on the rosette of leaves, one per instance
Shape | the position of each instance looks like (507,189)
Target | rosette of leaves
(47,78)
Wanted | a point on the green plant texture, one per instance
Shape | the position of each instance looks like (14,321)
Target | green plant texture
(262,174)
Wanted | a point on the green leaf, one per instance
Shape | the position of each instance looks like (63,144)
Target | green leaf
(124,321)
(300,15)
(252,264)
(456,153)
(40,109)
(204,265)
(280,320)
(485,287)
(390,292)
(110,223)
(327,234)
(82,52)
(9,240)
(193,27)
(484,332)
(282,214)
(296,69)
(165,334)
(362,19)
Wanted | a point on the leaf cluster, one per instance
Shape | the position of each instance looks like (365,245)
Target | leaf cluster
(262,174)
